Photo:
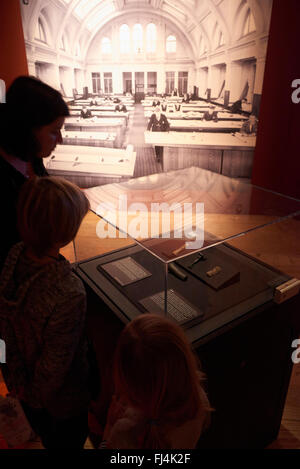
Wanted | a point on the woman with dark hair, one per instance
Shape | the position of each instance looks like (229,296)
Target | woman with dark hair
(30,124)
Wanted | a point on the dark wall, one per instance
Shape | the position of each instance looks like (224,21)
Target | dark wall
(277,156)
(13,60)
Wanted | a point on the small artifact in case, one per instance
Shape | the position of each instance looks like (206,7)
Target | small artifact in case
(212,268)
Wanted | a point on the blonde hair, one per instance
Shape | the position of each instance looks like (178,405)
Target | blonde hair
(156,372)
(50,211)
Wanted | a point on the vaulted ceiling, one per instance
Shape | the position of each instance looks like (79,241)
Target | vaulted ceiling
(81,20)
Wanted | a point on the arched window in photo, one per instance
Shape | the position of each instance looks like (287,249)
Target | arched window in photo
(218,37)
(249,26)
(40,33)
(151,37)
(106,46)
(62,45)
(137,36)
(221,40)
(171,44)
(124,39)
(202,45)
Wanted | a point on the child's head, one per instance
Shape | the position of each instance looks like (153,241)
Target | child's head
(50,211)
(156,370)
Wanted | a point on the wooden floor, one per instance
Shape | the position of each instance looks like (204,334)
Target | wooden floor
(278,246)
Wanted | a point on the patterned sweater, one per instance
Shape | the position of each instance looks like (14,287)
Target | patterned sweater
(42,321)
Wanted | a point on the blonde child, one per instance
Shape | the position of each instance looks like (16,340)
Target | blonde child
(159,402)
(42,314)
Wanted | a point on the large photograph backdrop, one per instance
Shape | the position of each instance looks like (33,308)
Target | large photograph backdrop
(201,61)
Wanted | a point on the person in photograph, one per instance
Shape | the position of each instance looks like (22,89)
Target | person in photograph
(186,98)
(159,401)
(85,113)
(155,102)
(164,105)
(250,126)
(158,123)
(120,108)
(236,108)
(175,92)
(42,315)
(94,102)
(30,122)
(211,114)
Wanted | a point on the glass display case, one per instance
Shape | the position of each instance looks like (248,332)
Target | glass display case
(221,258)
(179,259)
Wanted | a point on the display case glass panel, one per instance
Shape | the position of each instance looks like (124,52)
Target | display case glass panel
(174,214)
(201,283)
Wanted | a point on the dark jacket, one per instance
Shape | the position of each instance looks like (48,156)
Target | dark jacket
(161,125)
(211,117)
(11,183)
(156,102)
(236,107)
(121,108)
(248,129)
(85,114)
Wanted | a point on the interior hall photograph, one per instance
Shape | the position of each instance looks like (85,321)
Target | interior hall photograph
(150,206)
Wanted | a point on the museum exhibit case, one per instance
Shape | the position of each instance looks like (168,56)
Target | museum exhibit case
(183,260)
